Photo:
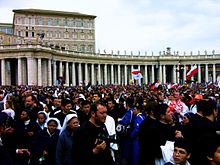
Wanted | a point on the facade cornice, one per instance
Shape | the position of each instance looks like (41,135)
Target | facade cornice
(39,51)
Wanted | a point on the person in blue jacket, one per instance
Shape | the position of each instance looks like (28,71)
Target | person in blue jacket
(123,132)
(138,119)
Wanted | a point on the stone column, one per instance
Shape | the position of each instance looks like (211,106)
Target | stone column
(206,73)
(174,74)
(199,73)
(30,71)
(73,74)
(112,74)
(145,74)
(126,75)
(152,73)
(164,74)
(160,74)
(60,69)
(99,74)
(67,74)
(184,73)
(214,73)
(119,74)
(3,71)
(19,72)
(39,72)
(86,73)
(106,74)
(49,73)
(192,78)
(132,68)
(80,74)
(178,74)
(93,74)
(54,73)
(139,68)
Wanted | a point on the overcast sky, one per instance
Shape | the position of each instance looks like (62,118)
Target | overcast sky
(140,25)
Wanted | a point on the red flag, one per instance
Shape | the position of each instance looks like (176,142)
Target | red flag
(192,72)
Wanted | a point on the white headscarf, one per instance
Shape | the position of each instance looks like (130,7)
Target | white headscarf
(9,112)
(46,115)
(57,120)
(66,120)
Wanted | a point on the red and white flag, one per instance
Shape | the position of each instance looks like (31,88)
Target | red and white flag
(136,71)
(192,72)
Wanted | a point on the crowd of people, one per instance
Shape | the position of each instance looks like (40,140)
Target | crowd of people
(111,125)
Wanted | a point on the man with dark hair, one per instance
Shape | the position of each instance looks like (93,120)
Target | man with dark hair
(90,142)
(181,153)
(65,109)
(84,112)
(212,150)
(33,105)
(160,132)
(151,108)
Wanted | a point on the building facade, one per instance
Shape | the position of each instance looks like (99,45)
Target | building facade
(6,28)
(43,66)
(59,29)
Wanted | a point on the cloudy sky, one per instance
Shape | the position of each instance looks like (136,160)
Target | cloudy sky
(140,25)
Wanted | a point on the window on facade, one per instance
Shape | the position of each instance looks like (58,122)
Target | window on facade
(25,20)
(57,22)
(50,34)
(65,22)
(15,41)
(74,36)
(32,20)
(66,47)
(58,34)
(75,47)
(40,21)
(66,35)
(90,48)
(9,40)
(18,20)
(82,23)
(49,22)
(83,48)
(90,37)
(32,34)
(26,34)
(74,22)
(89,23)
(83,36)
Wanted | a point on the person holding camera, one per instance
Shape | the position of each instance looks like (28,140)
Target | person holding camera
(91,144)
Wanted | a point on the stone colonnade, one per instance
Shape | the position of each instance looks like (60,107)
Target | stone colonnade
(48,71)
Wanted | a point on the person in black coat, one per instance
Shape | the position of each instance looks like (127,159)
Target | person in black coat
(161,131)
(5,156)
(143,131)
(44,145)
(90,142)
